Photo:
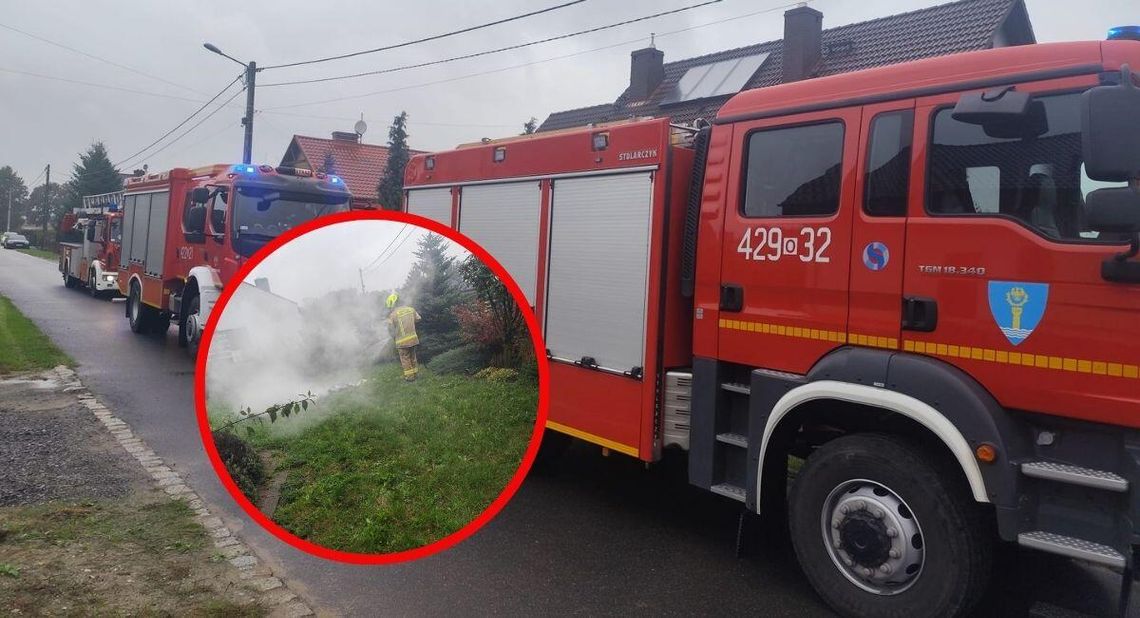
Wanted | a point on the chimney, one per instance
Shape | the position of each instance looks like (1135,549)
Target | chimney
(803,46)
(646,71)
(346,136)
(262,283)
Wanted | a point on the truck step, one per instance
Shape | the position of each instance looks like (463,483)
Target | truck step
(734,439)
(1072,547)
(734,387)
(729,490)
(1074,475)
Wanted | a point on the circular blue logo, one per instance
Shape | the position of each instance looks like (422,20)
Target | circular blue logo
(876,256)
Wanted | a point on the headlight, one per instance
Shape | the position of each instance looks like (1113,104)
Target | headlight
(109,277)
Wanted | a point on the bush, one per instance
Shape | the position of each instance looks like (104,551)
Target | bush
(465,359)
(497,374)
(241,461)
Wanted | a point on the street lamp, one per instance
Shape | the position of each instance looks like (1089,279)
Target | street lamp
(250,78)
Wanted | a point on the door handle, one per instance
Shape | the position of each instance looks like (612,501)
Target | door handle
(919,314)
(731,297)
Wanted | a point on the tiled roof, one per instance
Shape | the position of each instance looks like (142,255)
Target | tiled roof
(360,165)
(966,25)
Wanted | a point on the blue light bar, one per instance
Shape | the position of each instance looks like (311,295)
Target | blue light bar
(334,179)
(245,169)
(1124,33)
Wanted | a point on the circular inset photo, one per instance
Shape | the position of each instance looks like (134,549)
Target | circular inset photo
(371,387)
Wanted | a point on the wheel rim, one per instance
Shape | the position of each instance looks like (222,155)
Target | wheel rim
(873,537)
(134,306)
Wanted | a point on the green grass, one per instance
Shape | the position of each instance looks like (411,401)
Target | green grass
(22,346)
(395,466)
(41,253)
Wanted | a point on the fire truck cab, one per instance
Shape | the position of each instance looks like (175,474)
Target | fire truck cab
(919,282)
(187,231)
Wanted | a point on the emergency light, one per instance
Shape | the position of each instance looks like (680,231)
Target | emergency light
(334,179)
(1124,33)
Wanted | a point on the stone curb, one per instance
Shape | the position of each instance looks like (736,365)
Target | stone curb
(274,594)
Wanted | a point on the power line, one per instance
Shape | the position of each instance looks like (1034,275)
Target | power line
(97,85)
(434,37)
(394,251)
(196,125)
(383,251)
(525,64)
(188,119)
(496,51)
(94,57)
(410,121)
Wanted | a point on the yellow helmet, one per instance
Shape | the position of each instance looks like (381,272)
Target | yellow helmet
(392,298)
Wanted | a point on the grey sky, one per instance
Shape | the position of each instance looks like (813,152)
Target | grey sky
(328,259)
(44,121)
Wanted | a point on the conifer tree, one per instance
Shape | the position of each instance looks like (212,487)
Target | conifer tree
(391,188)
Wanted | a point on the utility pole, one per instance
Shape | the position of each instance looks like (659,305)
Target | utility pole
(361,271)
(250,83)
(8,223)
(47,206)
(250,79)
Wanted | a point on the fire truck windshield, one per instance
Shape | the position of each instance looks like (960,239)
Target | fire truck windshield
(261,214)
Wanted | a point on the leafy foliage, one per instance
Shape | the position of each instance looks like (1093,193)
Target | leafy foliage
(434,288)
(329,165)
(92,175)
(56,203)
(10,181)
(283,410)
(494,320)
(530,126)
(241,461)
(391,188)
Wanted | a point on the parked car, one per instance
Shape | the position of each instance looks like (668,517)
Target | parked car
(14,241)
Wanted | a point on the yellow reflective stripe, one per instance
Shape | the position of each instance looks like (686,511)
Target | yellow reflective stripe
(589,437)
(406,339)
(948,350)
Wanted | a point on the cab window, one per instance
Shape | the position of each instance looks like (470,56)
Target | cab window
(888,164)
(218,211)
(1035,180)
(794,171)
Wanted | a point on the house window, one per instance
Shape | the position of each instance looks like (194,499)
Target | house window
(794,171)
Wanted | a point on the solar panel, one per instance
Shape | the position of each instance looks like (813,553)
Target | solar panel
(718,78)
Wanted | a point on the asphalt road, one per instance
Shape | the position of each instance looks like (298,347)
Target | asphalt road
(591,536)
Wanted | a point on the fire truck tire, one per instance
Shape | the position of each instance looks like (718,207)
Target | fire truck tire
(138,315)
(185,338)
(68,280)
(881,528)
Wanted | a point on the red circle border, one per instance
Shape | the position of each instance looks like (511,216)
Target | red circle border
(411,554)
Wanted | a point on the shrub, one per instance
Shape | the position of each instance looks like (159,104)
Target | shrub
(241,461)
(465,359)
(497,374)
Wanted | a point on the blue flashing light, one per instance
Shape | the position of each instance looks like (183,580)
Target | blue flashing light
(1124,33)
(249,169)
(334,179)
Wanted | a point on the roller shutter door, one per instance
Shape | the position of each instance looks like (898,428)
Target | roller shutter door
(434,204)
(156,238)
(598,268)
(503,219)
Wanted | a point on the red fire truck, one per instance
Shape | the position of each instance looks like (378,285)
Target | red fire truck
(187,231)
(91,257)
(921,279)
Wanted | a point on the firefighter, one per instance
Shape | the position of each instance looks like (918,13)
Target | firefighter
(402,324)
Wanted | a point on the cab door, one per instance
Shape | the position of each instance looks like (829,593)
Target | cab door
(878,227)
(787,239)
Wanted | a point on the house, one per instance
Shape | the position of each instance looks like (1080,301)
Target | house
(360,165)
(696,88)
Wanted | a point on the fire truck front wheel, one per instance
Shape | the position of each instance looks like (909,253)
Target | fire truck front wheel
(881,528)
(68,280)
(189,333)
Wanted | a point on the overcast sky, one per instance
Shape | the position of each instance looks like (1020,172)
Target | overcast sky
(328,259)
(50,121)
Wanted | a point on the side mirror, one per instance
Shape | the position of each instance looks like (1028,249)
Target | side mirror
(200,195)
(1115,211)
(1003,113)
(1110,130)
(196,218)
(90,232)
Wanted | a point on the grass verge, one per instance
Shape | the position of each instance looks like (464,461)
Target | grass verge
(41,253)
(391,466)
(123,557)
(23,347)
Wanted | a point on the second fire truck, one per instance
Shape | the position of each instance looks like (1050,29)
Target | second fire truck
(922,280)
(187,231)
